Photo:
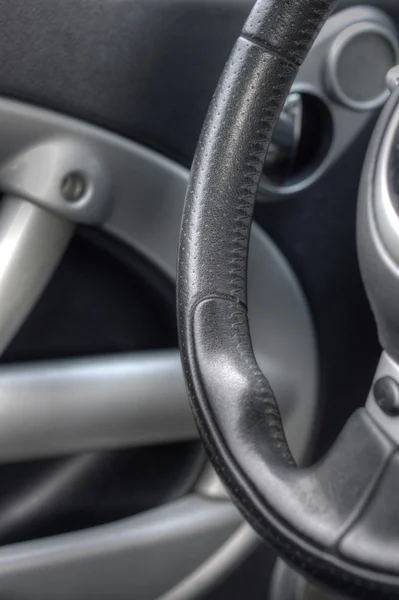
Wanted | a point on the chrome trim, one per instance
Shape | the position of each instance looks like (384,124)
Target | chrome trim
(346,36)
(384,212)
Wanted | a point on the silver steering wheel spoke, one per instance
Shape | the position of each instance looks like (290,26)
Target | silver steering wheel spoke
(32,242)
(69,406)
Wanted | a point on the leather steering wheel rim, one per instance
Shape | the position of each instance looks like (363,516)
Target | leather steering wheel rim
(307,515)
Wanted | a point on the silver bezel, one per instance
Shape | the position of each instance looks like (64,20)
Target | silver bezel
(337,47)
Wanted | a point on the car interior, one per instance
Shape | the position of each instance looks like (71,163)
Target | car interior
(199,283)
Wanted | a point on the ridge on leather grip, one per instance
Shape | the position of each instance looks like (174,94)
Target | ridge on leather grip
(309,515)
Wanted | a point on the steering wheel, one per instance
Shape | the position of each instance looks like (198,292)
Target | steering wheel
(337,521)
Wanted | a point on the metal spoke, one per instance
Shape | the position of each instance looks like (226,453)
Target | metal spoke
(32,241)
(61,407)
(70,406)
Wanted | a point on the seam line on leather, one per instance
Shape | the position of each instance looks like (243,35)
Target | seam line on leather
(233,299)
(269,49)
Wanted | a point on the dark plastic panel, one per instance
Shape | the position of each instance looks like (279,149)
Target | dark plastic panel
(144,68)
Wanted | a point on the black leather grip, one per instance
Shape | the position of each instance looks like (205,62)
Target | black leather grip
(306,514)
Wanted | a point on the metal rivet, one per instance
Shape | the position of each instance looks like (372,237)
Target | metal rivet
(73,186)
(386,393)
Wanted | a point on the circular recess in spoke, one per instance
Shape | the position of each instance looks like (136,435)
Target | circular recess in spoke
(74,186)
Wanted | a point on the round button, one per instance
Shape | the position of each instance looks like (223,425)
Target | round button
(386,393)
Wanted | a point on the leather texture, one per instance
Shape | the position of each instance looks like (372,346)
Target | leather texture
(306,514)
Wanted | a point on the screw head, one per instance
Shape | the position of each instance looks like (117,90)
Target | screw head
(73,186)
(386,394)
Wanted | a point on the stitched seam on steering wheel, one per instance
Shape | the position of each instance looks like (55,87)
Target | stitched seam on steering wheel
(313,26)
(261,390)
(251,178)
